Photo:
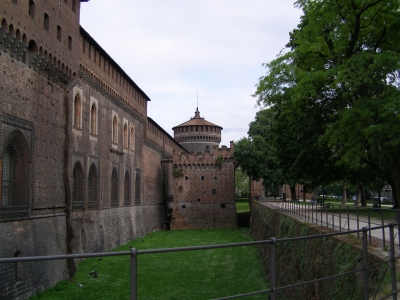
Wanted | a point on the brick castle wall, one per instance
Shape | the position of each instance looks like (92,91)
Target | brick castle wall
(204,190)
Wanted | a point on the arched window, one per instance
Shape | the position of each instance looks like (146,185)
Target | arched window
(31,8)
(115,130)
(77,111)
(93,119)
(125,135)
(114,188)
(92,187)
(127,189)
(137,189)
(77,186)
(59,32)
(132,138)
(15,175)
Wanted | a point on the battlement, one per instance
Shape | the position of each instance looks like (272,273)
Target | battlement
(224,153)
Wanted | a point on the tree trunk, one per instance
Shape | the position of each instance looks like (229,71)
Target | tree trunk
(293,192)
(363,197)
(358,196)
(395,179)
(344,196)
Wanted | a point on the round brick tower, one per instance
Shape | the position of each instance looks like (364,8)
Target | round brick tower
(197,134)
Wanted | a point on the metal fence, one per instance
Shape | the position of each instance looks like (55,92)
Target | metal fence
(342,217)
(273,242)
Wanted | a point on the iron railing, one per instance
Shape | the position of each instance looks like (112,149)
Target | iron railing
(273,242)
(341,217)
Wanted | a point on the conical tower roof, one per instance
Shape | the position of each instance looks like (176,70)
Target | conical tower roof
(197,120)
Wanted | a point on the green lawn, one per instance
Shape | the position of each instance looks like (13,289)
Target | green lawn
(242,207)
(204,274)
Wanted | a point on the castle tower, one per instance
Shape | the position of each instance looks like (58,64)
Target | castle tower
(197,134)
(203,179)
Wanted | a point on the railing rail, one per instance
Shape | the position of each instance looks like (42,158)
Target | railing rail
(316,214)
(272,291)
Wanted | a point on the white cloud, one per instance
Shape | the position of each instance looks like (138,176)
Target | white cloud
(173,48)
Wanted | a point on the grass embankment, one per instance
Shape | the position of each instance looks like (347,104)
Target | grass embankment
(202,274)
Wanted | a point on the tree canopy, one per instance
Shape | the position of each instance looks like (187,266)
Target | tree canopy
(333,96)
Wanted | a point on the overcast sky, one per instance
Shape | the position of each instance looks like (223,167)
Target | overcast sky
(172,49)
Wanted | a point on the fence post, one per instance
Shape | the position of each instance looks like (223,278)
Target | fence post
(365,262)
(398,225)
(133,274)
(392,261)
(383,230)
(358,224)
(273,269)
(369,223)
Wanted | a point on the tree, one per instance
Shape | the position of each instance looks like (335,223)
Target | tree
(241,183)
(341,77)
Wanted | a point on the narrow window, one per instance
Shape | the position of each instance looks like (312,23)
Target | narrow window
(214,191)
(77,111)
(114,188)
(77,184)
(115,130)
(202,177)
(46,21)
(18,271)
(31,8)
(73,5)
(132,138)
(84,46)
(92,187)
(69,43)
(59,33)
(127,189)
(137,189)
(125,135)
(93,119)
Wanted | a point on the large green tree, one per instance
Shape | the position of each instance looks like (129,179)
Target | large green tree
(340,77)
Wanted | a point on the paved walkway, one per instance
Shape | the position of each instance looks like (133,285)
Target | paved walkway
(339,221)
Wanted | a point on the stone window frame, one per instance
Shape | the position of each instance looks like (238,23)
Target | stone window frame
(114,187)
(59,33)
(31,8)
(12,127)
(114,127)
(132,137)
(77,108)
(127,186)
(78,185)
(125,133)
(46,21)
(138,187)
(94,116)
(93,186)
